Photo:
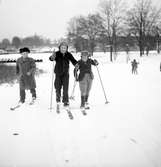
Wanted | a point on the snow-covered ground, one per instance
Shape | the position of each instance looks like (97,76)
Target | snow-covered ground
(124,133)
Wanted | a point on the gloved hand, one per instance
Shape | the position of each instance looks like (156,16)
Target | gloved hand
(76,66)
(53,56)
(96,62)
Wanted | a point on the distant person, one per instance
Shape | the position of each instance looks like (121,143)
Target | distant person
(25,69)
(134,65)
(85,77)
(147,48)
(62,58)
(127,49)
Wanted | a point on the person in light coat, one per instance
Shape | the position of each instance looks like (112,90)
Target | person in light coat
(25,69)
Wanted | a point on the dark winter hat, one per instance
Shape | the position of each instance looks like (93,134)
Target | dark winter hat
(85,53)
(25,49)
(63,44)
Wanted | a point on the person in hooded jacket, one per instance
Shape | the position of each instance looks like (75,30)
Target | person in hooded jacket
(62,58)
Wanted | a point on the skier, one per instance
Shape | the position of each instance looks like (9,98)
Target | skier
(25,69)
(127,53)
(85,77)
(147,48)
(134,64)
(62,58)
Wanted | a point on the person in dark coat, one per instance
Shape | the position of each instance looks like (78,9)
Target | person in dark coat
(134,65)
(85,76)
(62,58)
(25,69)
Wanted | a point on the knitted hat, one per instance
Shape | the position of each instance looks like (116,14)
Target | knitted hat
(25,49)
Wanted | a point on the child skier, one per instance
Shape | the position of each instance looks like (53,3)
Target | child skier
(25,69)
(134,64)
(85,77)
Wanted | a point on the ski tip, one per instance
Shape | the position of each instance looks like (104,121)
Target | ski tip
(84,113)
(15,134)
(12,109)
(66,160)
(58,111)
(72,118)
(70,114)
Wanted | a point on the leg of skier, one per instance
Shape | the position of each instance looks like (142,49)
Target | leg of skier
(83,88)
(33,92)
(22,95)
(65,82)
(58,86)
(21,101)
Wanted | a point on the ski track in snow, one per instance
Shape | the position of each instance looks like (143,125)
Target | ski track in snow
(123,133)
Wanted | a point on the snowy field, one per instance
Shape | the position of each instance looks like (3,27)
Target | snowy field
(124,133)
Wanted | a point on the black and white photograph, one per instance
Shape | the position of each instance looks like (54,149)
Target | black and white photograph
(80,83)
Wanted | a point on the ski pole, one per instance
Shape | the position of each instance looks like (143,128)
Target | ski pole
(52,83)
(72,94)
(102,85)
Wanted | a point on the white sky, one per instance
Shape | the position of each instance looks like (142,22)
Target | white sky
(48,18)
(43,17)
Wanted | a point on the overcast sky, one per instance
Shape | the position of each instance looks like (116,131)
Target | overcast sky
(48,18)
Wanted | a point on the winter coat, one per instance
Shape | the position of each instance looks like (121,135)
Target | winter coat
(134,64)
(85,67)
(62,62)
(23,66)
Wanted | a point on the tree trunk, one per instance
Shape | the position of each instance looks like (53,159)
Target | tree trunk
(111,50)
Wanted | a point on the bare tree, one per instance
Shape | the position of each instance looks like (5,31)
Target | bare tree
(5,43)
(91,29)
(16,41)
(86,29)
(33,41)
(142,19)
(73,34)
(112,12)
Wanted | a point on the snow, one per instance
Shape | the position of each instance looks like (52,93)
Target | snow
(124,133)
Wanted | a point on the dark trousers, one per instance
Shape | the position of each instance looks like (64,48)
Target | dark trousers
(23,94)
(134,70)
(62,81)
